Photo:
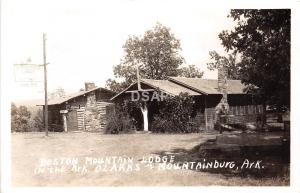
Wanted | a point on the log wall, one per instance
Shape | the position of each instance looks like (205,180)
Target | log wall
(85,113)
(237,115)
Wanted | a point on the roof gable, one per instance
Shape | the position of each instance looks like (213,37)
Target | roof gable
(166,86)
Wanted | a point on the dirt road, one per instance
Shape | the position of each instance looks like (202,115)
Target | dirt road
(29,148)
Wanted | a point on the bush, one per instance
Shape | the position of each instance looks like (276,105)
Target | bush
(38,120)
(20,119)
(119,122)
(171,115)
(174,115)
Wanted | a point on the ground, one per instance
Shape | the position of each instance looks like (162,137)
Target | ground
(28,148)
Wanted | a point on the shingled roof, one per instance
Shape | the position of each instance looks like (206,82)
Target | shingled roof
(209,86)
(71,96)
(192,86)
(169,87)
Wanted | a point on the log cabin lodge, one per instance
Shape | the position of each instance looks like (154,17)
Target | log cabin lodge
(88,110)
(85,110)
(243,108)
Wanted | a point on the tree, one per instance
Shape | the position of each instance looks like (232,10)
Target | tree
(262,38)
(59,92)
(20,118)
(230,63)
(14,114)
(190,71)
(157,54)
(115,85)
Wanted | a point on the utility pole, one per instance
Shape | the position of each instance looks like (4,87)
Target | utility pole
(45,85)
(29,67)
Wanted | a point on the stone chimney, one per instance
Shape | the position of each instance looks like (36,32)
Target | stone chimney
(89,86)
(222,78)
(222,87)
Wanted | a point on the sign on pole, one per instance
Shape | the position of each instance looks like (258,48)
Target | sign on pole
(28,74)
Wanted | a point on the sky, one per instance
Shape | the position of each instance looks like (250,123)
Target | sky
(85,37)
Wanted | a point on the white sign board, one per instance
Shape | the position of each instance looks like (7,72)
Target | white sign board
(31,73)
(63,111)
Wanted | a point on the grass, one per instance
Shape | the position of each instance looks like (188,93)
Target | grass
(28,148)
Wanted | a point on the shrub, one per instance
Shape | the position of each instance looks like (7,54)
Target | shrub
(119,122)
(38,120)
(20,118)
(174,115)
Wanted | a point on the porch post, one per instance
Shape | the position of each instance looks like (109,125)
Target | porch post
(64,116)
(144,110)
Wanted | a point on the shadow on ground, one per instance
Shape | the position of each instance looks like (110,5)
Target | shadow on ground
(275,159)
